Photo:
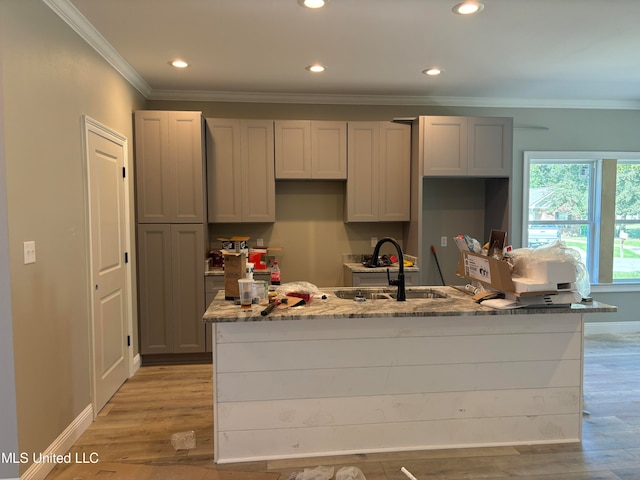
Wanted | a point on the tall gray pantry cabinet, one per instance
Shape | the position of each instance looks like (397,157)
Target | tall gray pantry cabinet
(172,229)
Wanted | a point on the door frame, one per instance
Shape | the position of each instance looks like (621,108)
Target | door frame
(91,125)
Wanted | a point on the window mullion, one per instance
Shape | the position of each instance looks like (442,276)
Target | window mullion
(606,220)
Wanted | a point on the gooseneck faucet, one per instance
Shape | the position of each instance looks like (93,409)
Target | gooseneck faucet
(402,293)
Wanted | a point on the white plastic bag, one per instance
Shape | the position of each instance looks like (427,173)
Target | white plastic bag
(556,251)
(350,473)
(317,473)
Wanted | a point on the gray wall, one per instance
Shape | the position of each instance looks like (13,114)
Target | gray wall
(8,422)
(50,79)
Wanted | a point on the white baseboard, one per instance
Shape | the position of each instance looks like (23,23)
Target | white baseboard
(137,363)
(595,328)
(61,445)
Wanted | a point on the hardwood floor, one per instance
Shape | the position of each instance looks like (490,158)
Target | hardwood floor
(136,426)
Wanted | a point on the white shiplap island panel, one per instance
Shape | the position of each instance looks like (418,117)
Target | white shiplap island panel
(296,388)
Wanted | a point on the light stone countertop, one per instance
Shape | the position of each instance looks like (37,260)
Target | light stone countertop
(456,303)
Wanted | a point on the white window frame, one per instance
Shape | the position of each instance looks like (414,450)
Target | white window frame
(595,158)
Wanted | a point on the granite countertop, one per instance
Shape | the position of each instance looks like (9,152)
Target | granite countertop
(354,263)
(220,272)
(456,303)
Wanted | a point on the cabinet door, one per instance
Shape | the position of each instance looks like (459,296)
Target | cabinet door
(153,170)
(445,146)
(169,167)
(187,266)
(395,172)
(155,298)
(490,146)
(224,179)
(329,150)
(257,170)
(186,166)
(293,149)
(363,171)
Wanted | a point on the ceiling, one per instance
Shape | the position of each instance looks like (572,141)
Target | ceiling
(553,53)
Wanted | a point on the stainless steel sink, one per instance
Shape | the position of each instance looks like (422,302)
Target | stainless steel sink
(428,293)
(364,294)
(377,293)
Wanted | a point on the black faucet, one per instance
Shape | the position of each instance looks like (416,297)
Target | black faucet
(402,293)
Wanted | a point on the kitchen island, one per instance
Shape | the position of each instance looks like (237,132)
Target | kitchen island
(342,377)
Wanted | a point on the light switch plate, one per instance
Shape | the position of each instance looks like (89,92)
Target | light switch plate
(29,252)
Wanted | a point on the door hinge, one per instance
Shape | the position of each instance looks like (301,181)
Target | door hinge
(126,257)
(128,340)
(124,172)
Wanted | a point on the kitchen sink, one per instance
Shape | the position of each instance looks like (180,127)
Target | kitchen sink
(376,293)
(428,293)
(365,294)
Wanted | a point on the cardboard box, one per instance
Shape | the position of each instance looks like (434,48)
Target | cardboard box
(235,244)
(486,270)
(235,266)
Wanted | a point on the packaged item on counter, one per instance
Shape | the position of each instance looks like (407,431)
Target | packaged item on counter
(275,273)
(235,268)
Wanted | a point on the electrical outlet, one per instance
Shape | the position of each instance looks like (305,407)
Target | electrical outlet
(443,241)
(374,241)
(259,242)
(29,252)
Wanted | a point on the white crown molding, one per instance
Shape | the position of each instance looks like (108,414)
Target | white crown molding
(67,12)
(401,100)
(72,17)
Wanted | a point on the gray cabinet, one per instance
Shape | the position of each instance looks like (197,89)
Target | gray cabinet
(169,167)
(467,146)
(460,185)
(378,172)
(170,198)
(311,149)
(171,291)
(240,170)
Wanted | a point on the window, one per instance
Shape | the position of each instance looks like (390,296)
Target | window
(590,201)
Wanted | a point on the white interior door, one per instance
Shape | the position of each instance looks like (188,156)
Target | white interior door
(106,152)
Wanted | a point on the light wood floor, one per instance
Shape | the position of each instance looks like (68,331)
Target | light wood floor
(136,426)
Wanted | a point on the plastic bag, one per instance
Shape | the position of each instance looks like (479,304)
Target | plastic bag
(350,473)
(317,473)
(557,251)
(303,290)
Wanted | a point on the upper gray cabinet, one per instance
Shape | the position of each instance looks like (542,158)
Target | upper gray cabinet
(467,146)
(311,150)
(378,186)
(169,167)
(240,170)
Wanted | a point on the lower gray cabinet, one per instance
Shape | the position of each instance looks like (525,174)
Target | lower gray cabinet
(171,292)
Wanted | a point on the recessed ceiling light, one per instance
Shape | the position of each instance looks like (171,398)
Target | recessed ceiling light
(316,68)
(468,8)
(432,71)
(313,3)
(178,63)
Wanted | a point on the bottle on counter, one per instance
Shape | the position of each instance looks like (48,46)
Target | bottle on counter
(275,274)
